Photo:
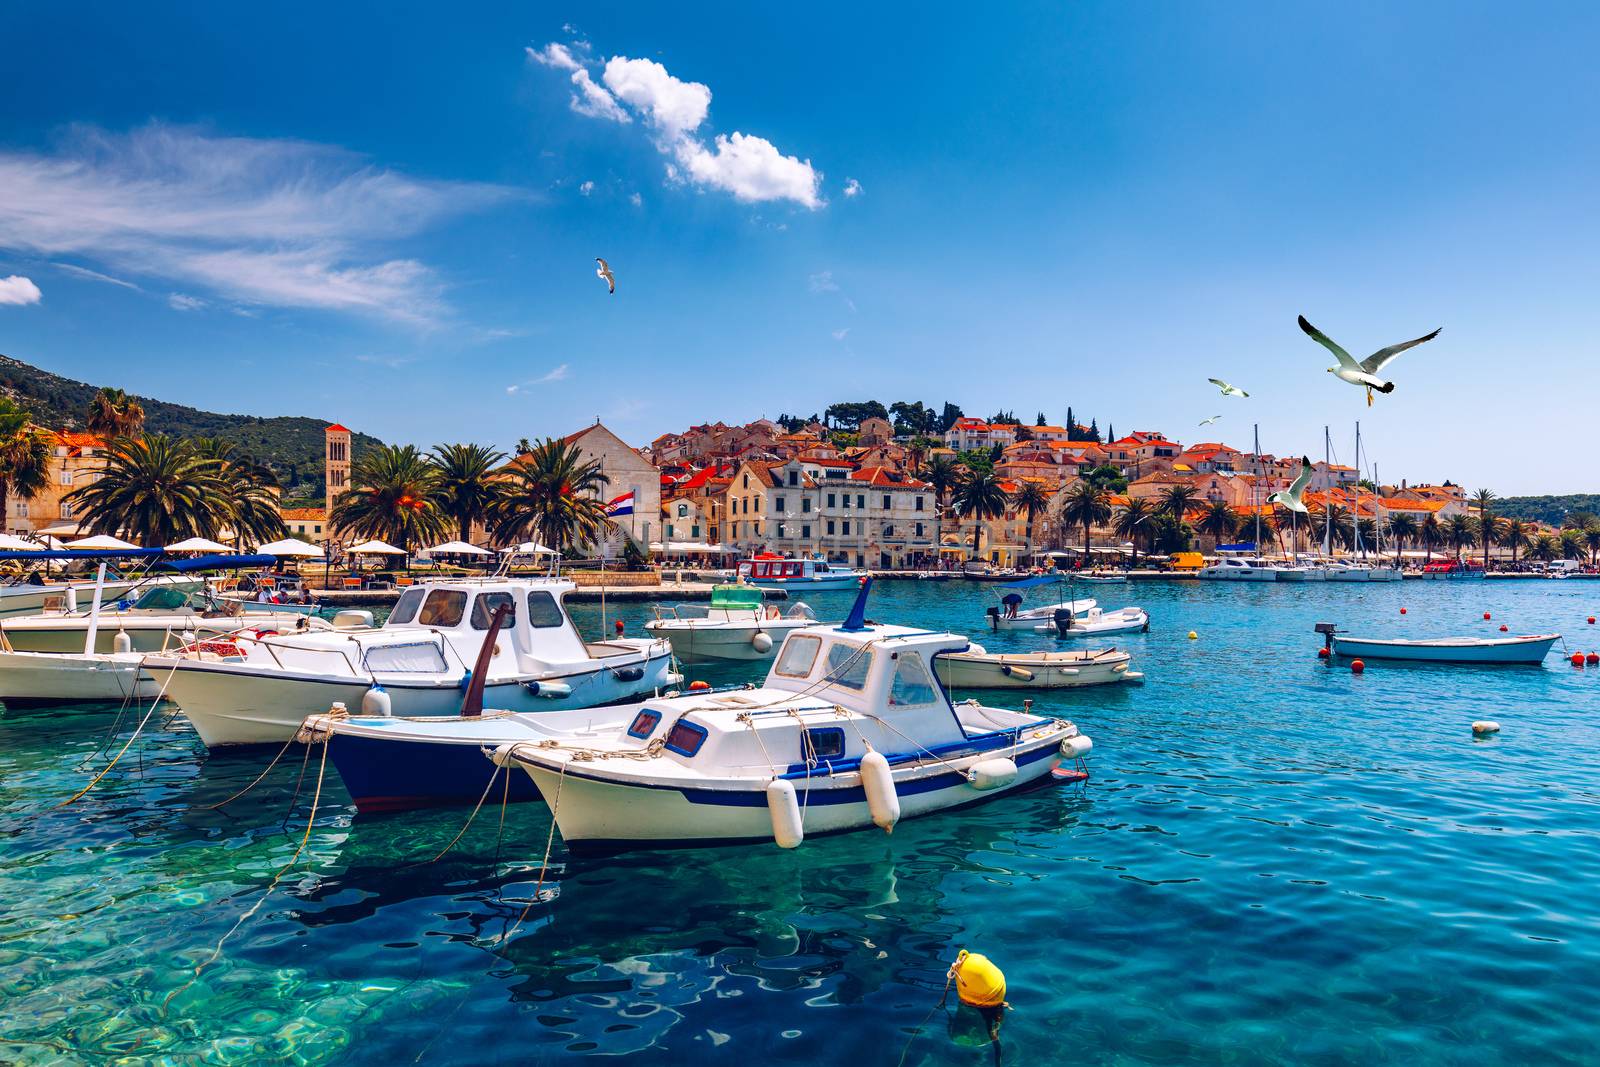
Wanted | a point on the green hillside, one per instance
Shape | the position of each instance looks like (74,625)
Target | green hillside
(1550,509)
(291,444)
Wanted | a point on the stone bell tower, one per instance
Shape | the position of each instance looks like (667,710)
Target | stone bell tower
(336,463)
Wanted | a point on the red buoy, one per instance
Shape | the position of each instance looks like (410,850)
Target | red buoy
(1402,611)
(1356,666)
(1486,614)
(1577,659)
(1591,620)
(1592,658)
(1504,627)
(619,627)
(1322,653)
(696,686)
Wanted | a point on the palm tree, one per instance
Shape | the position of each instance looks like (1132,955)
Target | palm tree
(1460,532)
(1088,504)
(1545,548)
(1175,500)
(1572,544)
(1514,535)
(1030,499)
(392,497)
(154,490)
(1403,528)
(1483,500)
(980,498)
(1591,538)
(943,475)
(113,413)
(552,494)
(1132,523)
(468,483)
(247,491)
(1431,534)
(1218,521)
(24,456)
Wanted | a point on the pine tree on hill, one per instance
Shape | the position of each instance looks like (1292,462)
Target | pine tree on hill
(1040,420)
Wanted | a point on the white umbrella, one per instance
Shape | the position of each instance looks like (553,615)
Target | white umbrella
(198,544)
(104,542)
(460,548)
(62,529)
(375,548)
(291,546)
(529,548)
(10,543)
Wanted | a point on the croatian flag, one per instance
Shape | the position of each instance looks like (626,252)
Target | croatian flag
(623,505)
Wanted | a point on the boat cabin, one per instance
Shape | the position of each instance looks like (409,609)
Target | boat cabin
(537,627)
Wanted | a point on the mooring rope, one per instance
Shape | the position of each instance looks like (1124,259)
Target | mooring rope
(544,865)
(154,704)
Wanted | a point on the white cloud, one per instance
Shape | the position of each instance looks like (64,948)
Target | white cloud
(558,374)
(840,335)
(94,276)
(636,200)
(283,223)
(852,187)
(822,282)
(749,167)
(586,188)
(184,302)
(18,290)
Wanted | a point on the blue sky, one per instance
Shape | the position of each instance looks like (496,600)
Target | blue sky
(388,215)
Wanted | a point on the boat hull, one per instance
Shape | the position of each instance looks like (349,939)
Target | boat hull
(38,636)
(1507,650)
(34,679)
(721,642)
(1019,672)
(843,581)
(403,774)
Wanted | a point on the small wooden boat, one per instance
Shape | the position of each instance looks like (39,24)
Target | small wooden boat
(1531,648)
(977,668)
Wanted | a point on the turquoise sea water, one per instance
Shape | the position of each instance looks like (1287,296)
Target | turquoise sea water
(1274,862)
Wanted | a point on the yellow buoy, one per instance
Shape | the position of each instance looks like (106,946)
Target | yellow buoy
(979,983)
(1193,636)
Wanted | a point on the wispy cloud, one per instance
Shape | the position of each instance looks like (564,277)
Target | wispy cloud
(557,374)
(185,302)
(17,290)
(840,335)
(94,276)
(750,168)
(273,222)
(852,188)
(822,282)
(586,188)
(392,362)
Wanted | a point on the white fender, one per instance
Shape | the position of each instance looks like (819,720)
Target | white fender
(1485,726)
(994,773)
(1070,672)
(761,641)
(122,642)
(878,782)
(550,690)
(1073,747)
(376,702)
(787,829)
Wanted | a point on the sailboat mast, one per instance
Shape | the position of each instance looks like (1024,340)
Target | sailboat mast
(1327,510)
(1255,489)
(1361,549)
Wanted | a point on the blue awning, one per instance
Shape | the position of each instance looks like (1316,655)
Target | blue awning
(1242,546)
(1029,583)
(217,562)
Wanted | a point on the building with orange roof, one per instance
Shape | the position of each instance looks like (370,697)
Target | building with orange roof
(76,460)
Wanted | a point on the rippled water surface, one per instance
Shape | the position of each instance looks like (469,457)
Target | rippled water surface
(1274,862)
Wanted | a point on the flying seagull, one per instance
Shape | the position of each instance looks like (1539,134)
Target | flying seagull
(1208,422)
(1366,372)
(1290,498)
(605,272)
(1227,390)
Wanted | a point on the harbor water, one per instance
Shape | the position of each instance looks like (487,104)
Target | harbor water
(1274,861)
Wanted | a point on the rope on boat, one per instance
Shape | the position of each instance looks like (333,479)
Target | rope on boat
(484,796)
(154,704)
(252,785)
(544,864)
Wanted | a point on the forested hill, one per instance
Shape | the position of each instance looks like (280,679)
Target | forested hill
(292,444)
(1550,509)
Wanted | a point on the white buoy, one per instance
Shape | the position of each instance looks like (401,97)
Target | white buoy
(375,702)
(122,642)
(787,829)
(994,773)
(878,782)
(1073,747)
(1485,726)
(761,641)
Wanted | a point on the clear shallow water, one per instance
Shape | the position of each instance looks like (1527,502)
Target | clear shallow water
(1273,862)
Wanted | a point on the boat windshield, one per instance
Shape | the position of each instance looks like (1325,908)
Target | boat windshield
(912,686)
(405,610)
(848,666)
(162,599)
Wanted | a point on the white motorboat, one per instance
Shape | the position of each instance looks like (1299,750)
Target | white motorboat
(24,598)
(1012,615)
(782,573)
(38,678)
(1239,569)
(1383,572)
(1099,623)
(977,668)
(164,616)
(1102,578)
(849,730)
(258,690)
(1344,571)
(1297,570)
(1530,648)
(735,626)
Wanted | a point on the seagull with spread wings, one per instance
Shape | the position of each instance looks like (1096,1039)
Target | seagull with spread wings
(1227,390)
(1291,497)
(1208,422)
(604,271)
(1364,373)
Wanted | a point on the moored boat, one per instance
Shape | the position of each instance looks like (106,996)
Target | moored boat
(1098,623)
(735,626)
(977,668)
(1012,615)
(778,571)
(1531,648)
(41,678)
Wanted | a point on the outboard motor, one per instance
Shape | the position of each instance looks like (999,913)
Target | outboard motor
(994,617)
(1063,621)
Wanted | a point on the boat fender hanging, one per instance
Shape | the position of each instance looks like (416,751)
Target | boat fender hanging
(504,755)
(1076,746)
(548,690)
(994,773)
(628,674)
(1018,672)
(761,641)
(979,983)
(877,781)
(466,680)
(787,829)
(1072,672)
(376,702)
(122,642)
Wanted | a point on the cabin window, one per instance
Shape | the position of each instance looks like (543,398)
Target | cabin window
(824,743)
(484,607)
(911,682)
(444,607)
(405,610)
(544,611)
(685,738)
(799,656)
(644,724)
(848,666)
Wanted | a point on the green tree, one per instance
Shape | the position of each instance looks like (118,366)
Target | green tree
(1514,536)
(1591,538)
(1108,477)
(1460,532)
(392,497)
(1431,534)
(468,483)
(1483,500)
(944,477)
(24,456)
(1088,505)
(554,495)
(248,491)
(980,498)
(1169,535)
(113,413)
(1176,499)
(1572,544)
(1219,521)
(154,490)
(848,416)
(947,417)
(1030,499)
(1134,522)
(1545,548)
(1403,528)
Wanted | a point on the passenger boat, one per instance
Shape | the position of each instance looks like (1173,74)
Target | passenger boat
(1011,615)
(779,571)
(977,668)
(1344,571)
(1238,569)
(1452,570)
(1526,649)
(258,690)
(1097,623)
(735,626)
(850,730)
